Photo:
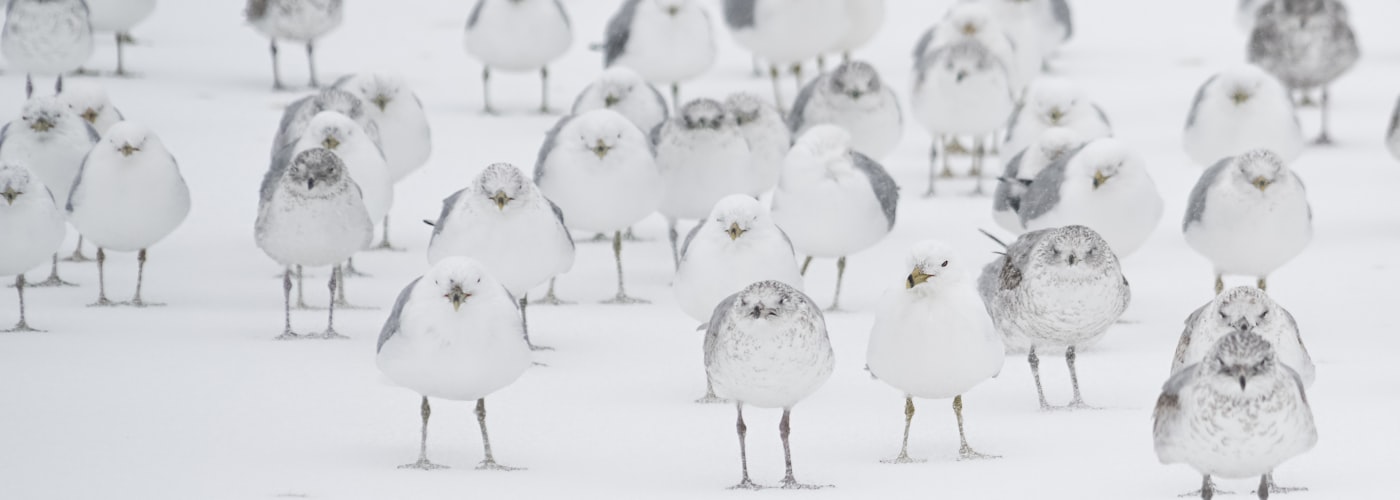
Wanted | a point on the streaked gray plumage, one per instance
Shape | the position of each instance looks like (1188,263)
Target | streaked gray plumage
(391,326)
(1244,308)
(884,186)
(299,113)
(1010,190)
(1196,101)
(551,138)
(1046,193)
(619,30)
(1305,43)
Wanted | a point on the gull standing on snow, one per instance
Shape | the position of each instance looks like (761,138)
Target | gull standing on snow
(128,195)
(1058,288)
(311,214)
(89,100)
(864,18)
(1238,413)
(296,20)
(623,90)
(297,115)
(976,21)
(1054,102)
(402,124)
(46,37)
(518,36)
(600,170)
(1240,109)
(703,157)
(854,98)
(31,228)
(1103,185)
(1015,181)
(737,245)
(1244,308)
(768,136)
(50,140)
(503,222)
(1249,215)
(961,89)
(666,41)
(1307,44)
(833,201)
(454,334)
(786,32)
(118,17)
(934,340)
(767,346)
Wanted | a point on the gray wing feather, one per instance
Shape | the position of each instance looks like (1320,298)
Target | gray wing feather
(739,14)
(340,82)
(254,11)
(1179,359)
(391,326)
(886,189)
(619,31)
(549,140)
(1103,116)
(476,14)
(1044,192)
(1002,197)
(923,43)
(788,240)
(563,13)
(93,136)
(655,135)
(685,247)
(278,166)
(289,115)
(1196,204)
(447,205)
(797,116)
(660,101)
(1169,403)
(717,319)
(1060,9)
(1196,103)
(559,215)
(579,99)
(77,181)
(1011,122)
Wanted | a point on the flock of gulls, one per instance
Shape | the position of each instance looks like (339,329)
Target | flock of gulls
(771,185)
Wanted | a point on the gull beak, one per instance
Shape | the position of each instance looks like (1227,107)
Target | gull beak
(42,125)
(1100,179)
(330,143)
(381,100)
(457,296)
(310,184)
(1073,258)
(757,311)
(610,100)
(916,277)
(969,29)
(501,199)
(1242,382)
(1239,97)
(601,149)
(127,149)
(1056,115)
(1243,325)
(735,231)
(90,115)
(855,94)
(961,75)
(1261,183)
(9,194)
(673,10)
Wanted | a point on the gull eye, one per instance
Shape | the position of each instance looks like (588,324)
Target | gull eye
(1264,314)
(945,264)
(1223,315)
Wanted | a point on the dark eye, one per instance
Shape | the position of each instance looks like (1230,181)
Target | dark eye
(1264,314)
(1223,316)
(945,264)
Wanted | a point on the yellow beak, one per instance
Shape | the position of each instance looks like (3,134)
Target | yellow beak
(1239,97)
(457,296)
(969,29)
(915,278)
(90,115)
(330,143)
(1261,183)
(1100,179)
(42,125)
(501,199)
(1056,115)
(9,194)
(381,101)
(735,231)
(609,100)
(601,149)
(127,149)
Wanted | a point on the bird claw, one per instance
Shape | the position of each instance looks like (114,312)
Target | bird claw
(622,299)
(747,484)
(1322,140)
(22,327)
(53,281)
(534,347)
(903,458)
(551,300)
(423,464)
(79,257)
(332,335)
(967,453)
(710,399)
(492,465)
(288,335)
(141,303)
(1073,406)
(103,302)
(791,484)
(1197,493)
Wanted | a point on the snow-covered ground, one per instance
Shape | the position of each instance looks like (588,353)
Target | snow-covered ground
(196,401)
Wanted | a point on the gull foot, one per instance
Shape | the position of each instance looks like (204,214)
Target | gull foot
(332,335)
(22,327)
(792,484)
(492,465)
(710,399)
(423,464)
(967,453)
(747,484)
(903,458)
(622,299)
(288,335)
(53,281)
(142,303)
(1075,405)
(103,302)
(534,347)
(551,300)
(79,257)
(1197,493)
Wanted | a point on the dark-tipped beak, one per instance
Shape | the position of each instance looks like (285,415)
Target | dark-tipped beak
(10,194)
(601,149)
(501,199)
(1100,179)
(330,143)
(381,101)
(1056,115)
(310,184)
(969,29)
(855,94)
(1239,97)
(735,231)
(1261,183)
(90,115)
(609,100)
(457,297)
(916,277)
(1242,382)
(961,76)
(756,312)
(127,149)
(1073,258)
(1242,325)
(673,10)
(42,125)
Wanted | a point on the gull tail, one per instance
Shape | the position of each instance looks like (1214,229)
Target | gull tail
(433,224)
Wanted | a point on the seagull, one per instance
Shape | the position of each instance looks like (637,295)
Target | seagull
(600,170)
(1249,215)
(298,115)
(665,41)
(31,228)
(1038,26)
(786,32)
(297,20)
(311,214)
(1240,109)
(50,140)
(621,89)
(128,195)
(46,37)
(864,18)
(933,339)
(853,97)
(118,17)
(738,244)
(833,201)
(89,100)
(976,21)
(402,124)
(1238,413)
(1103,185)
(1305,43)
(503,222)
(1244,308)
(703,157)
(767,346)
(1070,270)
(518,36)
(1054,102)
(1053,145)
(961,89)
(454,334)
(768,137)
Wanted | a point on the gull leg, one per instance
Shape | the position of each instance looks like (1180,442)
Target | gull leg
(950,147)
(903,457)
(121,67)
(544,90)
(821,66)
(621,297)
(978,156)
(745,483)
(789,482)
(525,324)
(336,280)
(311,62)
(676,97)
(965,452)
(675,236)
(1077,402)
(338,293)
(301,288)
(486,91)
(840,273)
(102,281)
(845,57)
(806,263)
(423,463)
(777,89)
(1207,491)
(797,74)
(710,397)
(384,239)
(488,463)
(1219,284)
(140,276)
(1263,283)
(53,279)
(1267,486)
(22,326)
(287,333)
(77,253)
(276,73)
(1322,138)
(1035,372)
(757,67)
(351,271)
(932,167)
(550,298)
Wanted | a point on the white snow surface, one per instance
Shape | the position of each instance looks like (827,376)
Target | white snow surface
(196,401)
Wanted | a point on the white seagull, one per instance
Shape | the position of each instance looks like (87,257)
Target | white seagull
(1240,109)
(31,228)
(666,41)
(518,36)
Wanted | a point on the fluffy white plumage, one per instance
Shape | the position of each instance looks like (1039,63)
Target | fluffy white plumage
(31,222)
(1249,215)
(89,100)
(601,188)
(976,21)
(1054,143)
(129,193)
(665,41)
(297,115)
(933,338)
(363,159)
(825,202)
(461,350)
(737,245)
(767,346)
(1240,109)
(403,132)
(1103,185)
(703,157)
(118,15)
(769,140)
(853,97)
(787,31)
(1054,102)
(50,140)
(518,35)
(46,37)
(503,221)
(621,89)
(962,88)
(311,213)
(1030,24)
(1244,308)
(863,18)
